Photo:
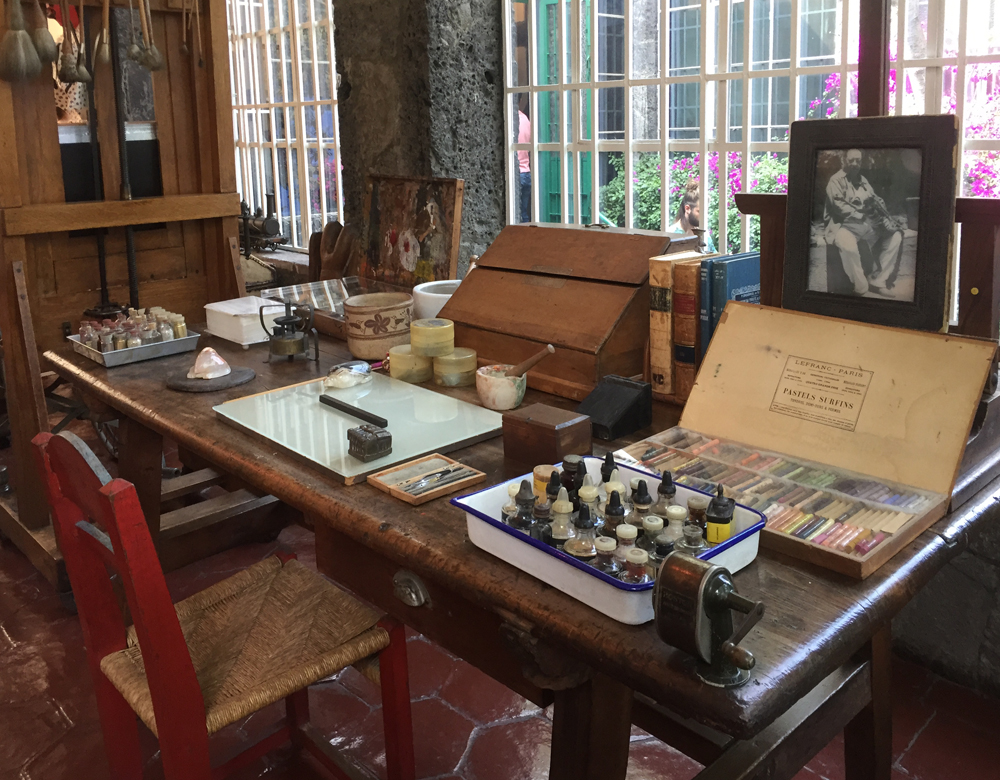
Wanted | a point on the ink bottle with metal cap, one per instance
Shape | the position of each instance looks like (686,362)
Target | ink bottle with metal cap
(674,523)
(524,518)
(666,496)
(588,498)
(641,504)
(626,540)
(614,513)
(562,519)
(605,559)
(652,527)
(719,517)
(661,550)
(608,467)
(635,572)
(692,543)
(697,507)
(582,545)
(613,486)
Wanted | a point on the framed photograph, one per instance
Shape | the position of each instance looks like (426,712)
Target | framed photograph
(870,219)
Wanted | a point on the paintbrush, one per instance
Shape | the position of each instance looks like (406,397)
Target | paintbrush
(45,44)
(102,45)
(82,73)
(18,58)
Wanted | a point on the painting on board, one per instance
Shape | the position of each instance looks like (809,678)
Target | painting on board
(413,227)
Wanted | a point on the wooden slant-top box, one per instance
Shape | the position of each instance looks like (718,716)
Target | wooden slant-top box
(544,434)
(861,403)
(585,291)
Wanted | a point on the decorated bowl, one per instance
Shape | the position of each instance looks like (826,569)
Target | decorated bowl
(376,322)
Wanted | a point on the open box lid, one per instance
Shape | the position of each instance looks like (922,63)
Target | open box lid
(604,255)
(894,404)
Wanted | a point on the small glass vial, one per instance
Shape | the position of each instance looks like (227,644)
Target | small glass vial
(692,542)
(666,495)
(583,545)
(719,518)
(614,486)
(674,530)
(180,326)
(166,331)
(107,341)
(614,514)
(605,559)
(524,518)
(562,519)
(588,498)
(697,507)
(120,338)
(635,567)
(509,510)
(133,338)
(626,540)
(660,551)
(652,527)
(641,504)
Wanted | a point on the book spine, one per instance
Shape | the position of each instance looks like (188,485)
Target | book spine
(705,306)
(686,312)
(661,326)
(720,280)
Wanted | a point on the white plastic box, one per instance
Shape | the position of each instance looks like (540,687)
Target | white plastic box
(632,604)
(238,320)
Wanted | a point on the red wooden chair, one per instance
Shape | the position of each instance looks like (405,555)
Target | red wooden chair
(187,670)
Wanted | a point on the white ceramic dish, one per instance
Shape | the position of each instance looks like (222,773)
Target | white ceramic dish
(632,604)
(430,297)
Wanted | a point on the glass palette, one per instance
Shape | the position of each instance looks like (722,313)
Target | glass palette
(421,421)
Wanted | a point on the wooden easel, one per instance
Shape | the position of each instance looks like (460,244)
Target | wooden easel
(978,307)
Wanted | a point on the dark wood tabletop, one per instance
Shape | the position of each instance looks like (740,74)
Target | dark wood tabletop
(814,622)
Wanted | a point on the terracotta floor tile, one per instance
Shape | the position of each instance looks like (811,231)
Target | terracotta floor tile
(441,737)
(980,712)
(512,750)
(430,667)
(653,760)
(950,748)
(362,687)
(481,697)
(333,709)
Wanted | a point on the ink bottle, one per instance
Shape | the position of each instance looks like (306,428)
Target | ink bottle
(608,467)
(588,498)
(542,510)
(652,527)
(582,546)
(509,510)
(660,551)
(524,517)
(666,496)
(692,543)
(540,479)
(614,514)
(562,519)
(719,517)
(635,567)
(614,486)
(166,332)
(641,504)
(626,540)
(674,530)
(697,507)
(552,489)
(605,559)
(568,477)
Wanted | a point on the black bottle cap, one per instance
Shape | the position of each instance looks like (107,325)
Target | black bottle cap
(525,497)
(584,520)
(666,486)
(615,508)
(608,466)
(552,489)
(721,509)
(663,549)
(642,494)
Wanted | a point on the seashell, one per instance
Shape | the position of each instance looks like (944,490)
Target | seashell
(348,376)
(209,365)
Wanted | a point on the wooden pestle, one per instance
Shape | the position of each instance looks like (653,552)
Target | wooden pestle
(522,368)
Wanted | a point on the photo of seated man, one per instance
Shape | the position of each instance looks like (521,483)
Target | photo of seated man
(860,246)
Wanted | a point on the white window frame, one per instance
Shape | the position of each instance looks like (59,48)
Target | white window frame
(250,34)
(714,81)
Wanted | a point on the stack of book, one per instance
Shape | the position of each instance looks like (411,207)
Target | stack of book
(688,293)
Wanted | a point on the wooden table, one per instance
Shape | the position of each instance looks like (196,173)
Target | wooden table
(822,647)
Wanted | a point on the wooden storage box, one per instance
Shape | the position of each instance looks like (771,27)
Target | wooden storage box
(876,418)
(584,291)
(544,434)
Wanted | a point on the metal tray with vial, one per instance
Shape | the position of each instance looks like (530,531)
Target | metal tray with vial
(632,604)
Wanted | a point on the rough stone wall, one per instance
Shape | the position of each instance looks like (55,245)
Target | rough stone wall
(421,94)
(953,625)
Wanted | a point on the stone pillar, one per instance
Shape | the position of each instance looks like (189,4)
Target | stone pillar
(421,95)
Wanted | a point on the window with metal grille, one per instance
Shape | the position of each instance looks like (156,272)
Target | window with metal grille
(284,90)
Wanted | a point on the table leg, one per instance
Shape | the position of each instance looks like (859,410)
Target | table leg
(591,724)
(140,458)
(868,737)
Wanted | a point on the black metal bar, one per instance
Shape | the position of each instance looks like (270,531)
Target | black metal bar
(95,156)
(117,74)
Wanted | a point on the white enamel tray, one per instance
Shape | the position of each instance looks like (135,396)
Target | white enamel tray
(632,604)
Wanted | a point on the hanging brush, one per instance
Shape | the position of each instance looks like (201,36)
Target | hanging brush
(134,51)
(197,31)
(151,57)
(45,44)
(184,28)
(67,72)
(102,43)
(81,54)
(18,57)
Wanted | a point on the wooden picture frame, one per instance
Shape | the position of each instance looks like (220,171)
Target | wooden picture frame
(871,212)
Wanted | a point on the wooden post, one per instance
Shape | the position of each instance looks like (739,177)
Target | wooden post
(978,277)
(868,737)
(591,724)
(873,60)
(140,461)
(771,210)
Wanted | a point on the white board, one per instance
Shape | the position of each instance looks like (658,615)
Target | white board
(421,421)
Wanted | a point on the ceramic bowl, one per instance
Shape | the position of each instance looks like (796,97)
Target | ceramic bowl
(376,322)
(499,392)
(430,297)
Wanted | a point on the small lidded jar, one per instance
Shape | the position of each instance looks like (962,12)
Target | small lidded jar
(692,543)
(641,504)
(652,526)
(583,545)
(456,369)
(666,495)
(605,559)
(562,519)
(614,515)
(588,498)
(697,510)
(626,540)
(635,567)
(509,510)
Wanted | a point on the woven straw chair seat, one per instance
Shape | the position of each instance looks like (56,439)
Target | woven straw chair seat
(256,638)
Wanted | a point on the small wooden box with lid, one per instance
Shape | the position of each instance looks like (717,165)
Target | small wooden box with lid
(584,291)
(847,436)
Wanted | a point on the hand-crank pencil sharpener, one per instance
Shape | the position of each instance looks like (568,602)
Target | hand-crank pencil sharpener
(693,601)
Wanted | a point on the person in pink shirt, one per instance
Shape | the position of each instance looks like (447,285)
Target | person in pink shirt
(524,164)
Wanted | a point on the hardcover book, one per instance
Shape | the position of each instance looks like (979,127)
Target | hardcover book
(735,278)
(687,284)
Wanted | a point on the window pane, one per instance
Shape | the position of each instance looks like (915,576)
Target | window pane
(646,113)
(611,114)
(819,95)
(610,40)
(332,173)
(818,32)
(769,109)
(305,53)
(549,117)
(647,212)
(981,175)
(549,42)
(323,63)
(550,192)
(519,68)
(645,39)
(685,38)
(611,177)
(685,111)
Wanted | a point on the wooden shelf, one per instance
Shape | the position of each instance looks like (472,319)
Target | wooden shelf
(63,217)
